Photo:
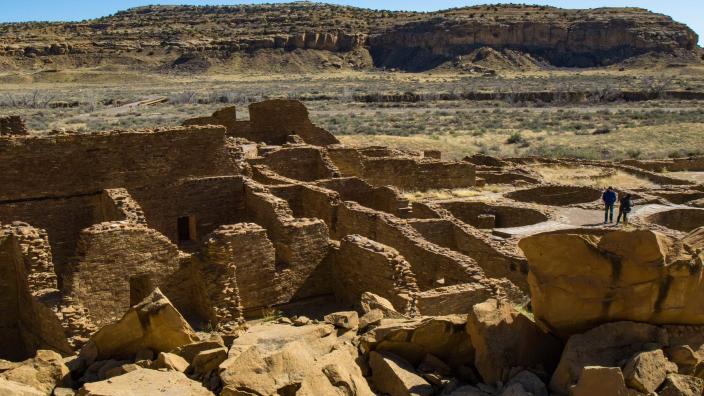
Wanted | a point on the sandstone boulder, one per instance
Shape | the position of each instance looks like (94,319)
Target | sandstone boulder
(154,324)
(682,385)
(596,380)
(608,346)
(348,320)
(371,318)
(43,372)
(276,358)
(170,361)
(442,336)
(578,281)
(145,382)
(370,301)
(207,361)
(507,341)
(530,383)
(647,370)
(394,376)
(12,388)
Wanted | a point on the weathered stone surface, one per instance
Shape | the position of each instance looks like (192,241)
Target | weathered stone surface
(682,385)
(12,388)
(370,301)
(189,351)
(597,380)
(607,346)
(170,361)
(396,377)
(578,281)
(371,318)
(154,323)
(647,370)
(506,340)
(206,361)
(348,320)
(272,358)
(43,372)
(442,336)
(145,382)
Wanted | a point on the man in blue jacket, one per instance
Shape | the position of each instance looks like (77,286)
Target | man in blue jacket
(609,198)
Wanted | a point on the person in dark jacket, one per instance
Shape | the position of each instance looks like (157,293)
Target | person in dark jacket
(609,198)
(624,209)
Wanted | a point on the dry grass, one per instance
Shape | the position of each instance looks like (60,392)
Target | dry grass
(444,194)
(591,177)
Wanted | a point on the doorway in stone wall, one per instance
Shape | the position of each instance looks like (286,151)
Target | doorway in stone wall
(186,229)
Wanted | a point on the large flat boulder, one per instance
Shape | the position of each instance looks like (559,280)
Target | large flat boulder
(145,382)
(507,341)
(412,339)
(578,281)
(278,358)
(606,346)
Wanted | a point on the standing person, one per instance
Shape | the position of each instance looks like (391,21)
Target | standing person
(624,209)
(609,198)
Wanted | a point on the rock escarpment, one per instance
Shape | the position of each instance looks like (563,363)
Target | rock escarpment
(180,38)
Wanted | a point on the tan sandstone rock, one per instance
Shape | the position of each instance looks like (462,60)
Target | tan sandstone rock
(145,382)
(394,376)
(154,324)
(442,336)
(371,301)
(506,340)
(206,361)
(345,320)
(607,346)
(579,281)
(682,385)
(12,388)
(43,372)
(647,370)
(278,358)
(596,380)
(170,361)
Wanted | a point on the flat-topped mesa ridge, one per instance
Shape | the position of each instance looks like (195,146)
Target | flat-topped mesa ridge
(178,37)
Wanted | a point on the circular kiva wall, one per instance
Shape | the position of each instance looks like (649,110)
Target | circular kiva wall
(475,214)
(556,195)
(684,220)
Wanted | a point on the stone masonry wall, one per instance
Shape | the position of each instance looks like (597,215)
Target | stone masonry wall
(67,165)
(305,163)
(113,260)
(418,174)
(26,324)
(362,265)
(239,256)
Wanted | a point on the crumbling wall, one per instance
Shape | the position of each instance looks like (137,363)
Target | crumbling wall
(305,163)
(301,244)
(115,260)
(348,160)
(556,195)
(453,299)
(691,164)
(26,323)
(307,200)
(273,120)
(226,117)
(239,257)
(475,214)
(62,218)
(211,201)
(418,174)
(385,198)
(12,125)
(433,265)
(362,265)
(496,261)
(117,204)
(69,165)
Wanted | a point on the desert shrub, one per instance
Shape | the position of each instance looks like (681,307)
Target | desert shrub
(515,138)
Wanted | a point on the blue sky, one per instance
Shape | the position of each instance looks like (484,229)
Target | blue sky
(690,12)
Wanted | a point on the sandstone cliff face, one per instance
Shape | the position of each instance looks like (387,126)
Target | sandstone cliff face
(405,40)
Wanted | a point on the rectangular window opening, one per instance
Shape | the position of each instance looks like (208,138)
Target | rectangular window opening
(186,229)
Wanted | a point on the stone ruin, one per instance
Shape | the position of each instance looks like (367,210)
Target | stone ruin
(168,249)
